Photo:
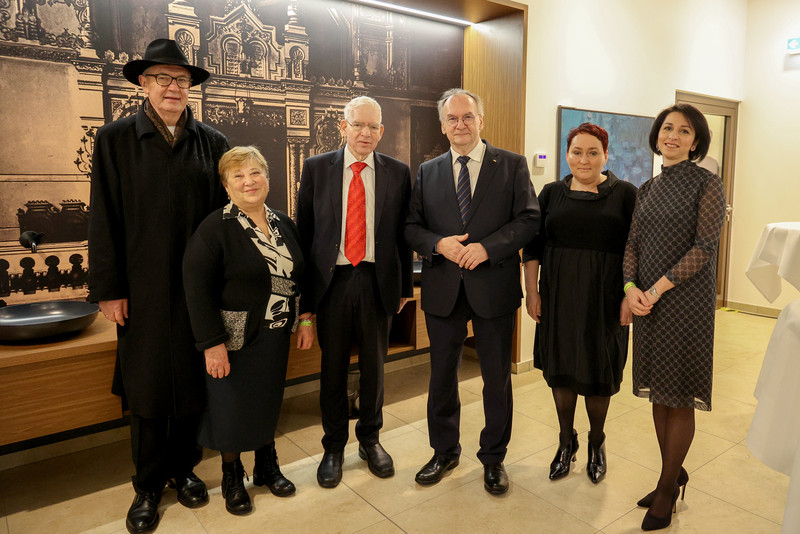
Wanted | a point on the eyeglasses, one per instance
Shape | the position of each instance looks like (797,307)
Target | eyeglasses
(165,80)
(359,126)
(452,122)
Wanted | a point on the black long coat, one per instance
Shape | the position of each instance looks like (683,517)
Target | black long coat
(147,199)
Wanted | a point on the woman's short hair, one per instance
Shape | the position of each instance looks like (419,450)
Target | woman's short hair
(591,129)
(702,135)
(238,156)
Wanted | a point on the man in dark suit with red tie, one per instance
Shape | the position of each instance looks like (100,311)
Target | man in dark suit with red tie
(351,207)
(472,210)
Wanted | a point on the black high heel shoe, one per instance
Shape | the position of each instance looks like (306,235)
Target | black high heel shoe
(565,454)
(596,467)
(683,479)
(651,522)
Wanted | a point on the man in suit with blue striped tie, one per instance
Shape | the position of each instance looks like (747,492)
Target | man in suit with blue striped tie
(472,210)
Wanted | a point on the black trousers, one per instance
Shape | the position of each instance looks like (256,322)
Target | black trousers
(163,448)
(351,312)
(493,339)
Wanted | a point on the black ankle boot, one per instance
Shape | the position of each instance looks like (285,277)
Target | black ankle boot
(266,472)
(237,500)
(565,455)
(596,468)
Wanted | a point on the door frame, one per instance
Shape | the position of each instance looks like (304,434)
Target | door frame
(730,109)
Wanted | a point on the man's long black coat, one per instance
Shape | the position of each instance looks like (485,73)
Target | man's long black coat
(147,199)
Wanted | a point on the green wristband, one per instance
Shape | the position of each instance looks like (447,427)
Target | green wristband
(627,286)
(306,322)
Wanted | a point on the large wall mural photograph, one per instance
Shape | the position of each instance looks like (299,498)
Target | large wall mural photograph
(281,70)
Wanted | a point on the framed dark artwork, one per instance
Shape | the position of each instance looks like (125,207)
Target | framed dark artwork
(629,154)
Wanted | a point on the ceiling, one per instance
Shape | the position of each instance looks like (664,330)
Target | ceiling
(470,10)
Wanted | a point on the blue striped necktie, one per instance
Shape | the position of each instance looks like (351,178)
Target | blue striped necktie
(463,192)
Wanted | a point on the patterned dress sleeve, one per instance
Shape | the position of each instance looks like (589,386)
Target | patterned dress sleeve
(630,262)
(710,216)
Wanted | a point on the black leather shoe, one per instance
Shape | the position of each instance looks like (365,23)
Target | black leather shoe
(378,460)
(191,490)
(329,472)
(267,472)
(596,467)
(495,479)
(434,470)
(565,454)
(143,513)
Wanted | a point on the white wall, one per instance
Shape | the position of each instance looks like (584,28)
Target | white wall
(767,186)
(625,56)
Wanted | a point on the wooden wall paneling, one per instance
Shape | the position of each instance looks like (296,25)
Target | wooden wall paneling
(494,68)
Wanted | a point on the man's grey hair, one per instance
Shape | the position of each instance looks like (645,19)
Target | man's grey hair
(359,101)
(447,95)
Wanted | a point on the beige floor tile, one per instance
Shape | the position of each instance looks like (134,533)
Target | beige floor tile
(739,478)
(50,510)
(406,383)
(3,519)
(409,410)
(528,436)
(737,382)
(700,514)
(75,473)
(633,437)
(729,419)
(598,505)
(401,492)
(522,381)
(311,509)
(384,527)
(469,508)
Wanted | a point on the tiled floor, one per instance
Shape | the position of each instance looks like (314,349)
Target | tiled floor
(729,491)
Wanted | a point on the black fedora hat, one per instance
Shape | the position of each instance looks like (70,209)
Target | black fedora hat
(162,52)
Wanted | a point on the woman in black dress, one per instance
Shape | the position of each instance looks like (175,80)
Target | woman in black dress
(241,270)
(670,282)
(581,339)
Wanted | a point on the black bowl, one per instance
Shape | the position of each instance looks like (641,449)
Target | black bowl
(37,320)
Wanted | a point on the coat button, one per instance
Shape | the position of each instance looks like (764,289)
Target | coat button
(331,269)
(337,246)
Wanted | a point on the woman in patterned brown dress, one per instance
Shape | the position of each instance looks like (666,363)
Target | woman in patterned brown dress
(670,282)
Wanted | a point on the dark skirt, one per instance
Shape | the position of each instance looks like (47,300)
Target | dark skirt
(579,343)
(243,408)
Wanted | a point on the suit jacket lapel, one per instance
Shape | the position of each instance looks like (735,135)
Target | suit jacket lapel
(485,178)
(335,179)
(381,186)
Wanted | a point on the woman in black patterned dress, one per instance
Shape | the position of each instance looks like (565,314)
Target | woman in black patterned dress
(241,272)
(670,282)
(581,339)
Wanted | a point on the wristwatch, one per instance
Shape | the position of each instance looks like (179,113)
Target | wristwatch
(653,292)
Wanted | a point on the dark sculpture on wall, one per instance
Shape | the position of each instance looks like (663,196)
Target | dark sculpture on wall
(281,74)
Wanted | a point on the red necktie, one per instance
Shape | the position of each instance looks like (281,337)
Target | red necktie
(355,233)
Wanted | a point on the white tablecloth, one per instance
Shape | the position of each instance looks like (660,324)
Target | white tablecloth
(774,435)
(776,256)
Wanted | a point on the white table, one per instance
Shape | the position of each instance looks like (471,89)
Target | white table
(774,435)
(776,256)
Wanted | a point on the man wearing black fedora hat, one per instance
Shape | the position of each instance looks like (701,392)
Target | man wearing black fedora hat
(154,179)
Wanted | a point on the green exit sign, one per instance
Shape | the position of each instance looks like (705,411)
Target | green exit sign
(793,46)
